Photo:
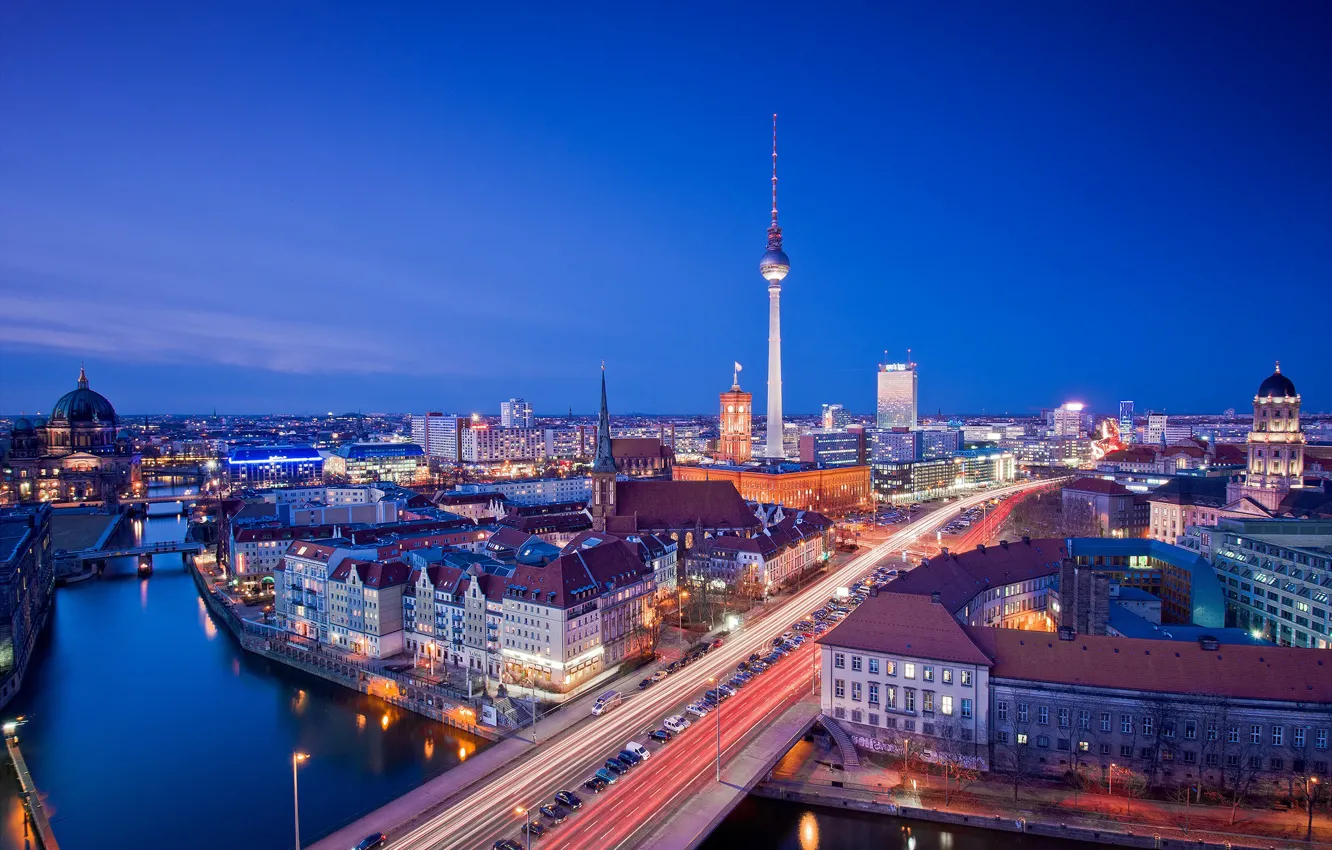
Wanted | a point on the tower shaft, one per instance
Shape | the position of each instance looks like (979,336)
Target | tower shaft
(775,447)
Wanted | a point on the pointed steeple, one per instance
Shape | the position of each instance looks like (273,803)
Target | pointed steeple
(83,377)
(605,461)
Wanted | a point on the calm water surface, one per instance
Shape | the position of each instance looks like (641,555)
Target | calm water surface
(150,727)
(761,823)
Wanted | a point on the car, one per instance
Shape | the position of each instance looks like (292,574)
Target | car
(624,759)
(676,723)
(534,828)
(643,685)
(754,657)
(595,784)
(371,841)
(569,800)
(631,758)
(674,666)
(696,709)
(658,676)
(777,640)
(742,666)
(616,767)
(639,750)
(709,701)
(736,683)
(609,777)
(661,735)
(717,643)
(555,814)
(726,690)
(505,844)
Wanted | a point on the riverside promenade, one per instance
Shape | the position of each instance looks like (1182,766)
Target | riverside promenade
(32,799)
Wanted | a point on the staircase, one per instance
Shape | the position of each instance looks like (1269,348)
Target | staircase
(850,758)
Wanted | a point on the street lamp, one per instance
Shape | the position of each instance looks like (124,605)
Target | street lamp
(296,759)
(1111,792)
(1310,788)
(520,812)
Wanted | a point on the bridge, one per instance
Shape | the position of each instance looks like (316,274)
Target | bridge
(84,561)
(473,804)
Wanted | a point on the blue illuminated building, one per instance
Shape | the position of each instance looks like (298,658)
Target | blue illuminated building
(275,466)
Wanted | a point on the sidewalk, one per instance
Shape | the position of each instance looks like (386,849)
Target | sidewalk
(879,785)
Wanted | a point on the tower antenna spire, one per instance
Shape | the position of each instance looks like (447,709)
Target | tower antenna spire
(774,170)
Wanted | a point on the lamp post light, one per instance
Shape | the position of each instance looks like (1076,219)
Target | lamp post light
(1112,779)
(296,759)
(1310,788)
(521,812)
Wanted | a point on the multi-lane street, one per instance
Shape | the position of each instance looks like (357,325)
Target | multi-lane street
(487,811)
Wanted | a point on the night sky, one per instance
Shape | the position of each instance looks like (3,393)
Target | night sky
(307,207)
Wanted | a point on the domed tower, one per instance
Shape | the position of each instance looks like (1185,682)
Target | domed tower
(773,266)
(23,439)
(1276,442)
(81,421)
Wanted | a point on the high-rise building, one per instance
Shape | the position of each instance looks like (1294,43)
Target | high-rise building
(481,444)
(835,417)
(440,435)
(897,395)
(1068,420)
(1156,429)
(1126,435)
(830,449)
(773,266)
(515,413)
(735,442)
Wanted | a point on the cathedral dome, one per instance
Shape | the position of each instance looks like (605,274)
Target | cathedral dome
(39,422)
(83,405)
(1277,385)
(21,426)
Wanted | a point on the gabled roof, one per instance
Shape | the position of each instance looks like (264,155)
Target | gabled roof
(1141,664)
(682,504)
(958,578)
(578,576)
(904,624)
(1186,490)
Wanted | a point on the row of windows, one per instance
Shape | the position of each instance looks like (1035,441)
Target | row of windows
(909,668)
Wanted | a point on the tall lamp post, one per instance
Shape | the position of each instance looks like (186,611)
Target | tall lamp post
(1310,788)
(520,812)
(296,760)
(717,689)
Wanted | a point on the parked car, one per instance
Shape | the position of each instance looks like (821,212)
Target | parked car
(556,814)
(726,690)
(639,750)
(569,800)
(595,784)
(661,735)
(372,841)
(697,709)
(676,723)
(717,643)
(505,844)
(658,676)
(643,685)
(616,767)
(633,759)
(607,776)
(535,828)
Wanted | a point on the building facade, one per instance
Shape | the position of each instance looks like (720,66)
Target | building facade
(832,449)
(735,437)
(274,466)
(440,435)
(27,585)
(483,444)
(515,413)
(797,486)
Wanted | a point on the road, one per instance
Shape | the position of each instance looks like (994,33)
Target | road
(478,817)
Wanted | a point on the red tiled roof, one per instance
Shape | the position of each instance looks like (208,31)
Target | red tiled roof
(579,576)
(1098,485)
(1132,454)
(959,578)
(1138,664)
(1228,454)
(905,624)
(639,447)
(682,504)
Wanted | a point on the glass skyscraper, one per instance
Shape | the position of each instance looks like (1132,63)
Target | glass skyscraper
(897,395)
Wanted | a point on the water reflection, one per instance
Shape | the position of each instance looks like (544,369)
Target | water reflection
(130,680)
(809,831)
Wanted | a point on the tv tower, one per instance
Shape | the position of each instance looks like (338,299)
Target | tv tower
(774,267)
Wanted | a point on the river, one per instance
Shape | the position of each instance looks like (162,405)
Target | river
(150,727)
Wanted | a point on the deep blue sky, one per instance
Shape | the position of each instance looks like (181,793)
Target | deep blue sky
(306,207)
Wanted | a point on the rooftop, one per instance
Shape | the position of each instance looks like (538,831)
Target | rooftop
(958,578)
(905,624)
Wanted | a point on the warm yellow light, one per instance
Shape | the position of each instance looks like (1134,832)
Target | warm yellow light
(383,722)
(300,757)
(519,810)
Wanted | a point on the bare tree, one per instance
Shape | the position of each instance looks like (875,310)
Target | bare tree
(1013,750)
(952,754)
(645,636)
(1164,718)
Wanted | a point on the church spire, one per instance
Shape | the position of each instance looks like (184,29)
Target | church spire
(605,461)
(83,377)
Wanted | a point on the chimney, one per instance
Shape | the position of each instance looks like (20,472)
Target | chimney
(980,547)
(1004,545)
(1067,633)
(935,598)
(1026,539)
(1208,643)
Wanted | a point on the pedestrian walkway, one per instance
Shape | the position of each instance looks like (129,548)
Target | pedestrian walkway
(32,800)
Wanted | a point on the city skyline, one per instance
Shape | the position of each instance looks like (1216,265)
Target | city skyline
(226,254)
